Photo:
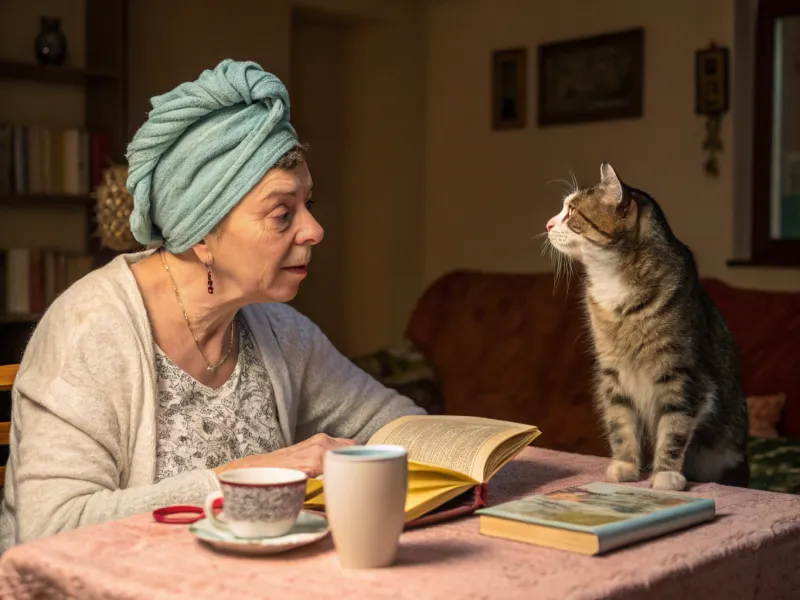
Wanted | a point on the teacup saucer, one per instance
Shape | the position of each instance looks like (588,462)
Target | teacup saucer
(308,529)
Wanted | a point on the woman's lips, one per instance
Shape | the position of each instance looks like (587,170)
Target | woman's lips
(298,270)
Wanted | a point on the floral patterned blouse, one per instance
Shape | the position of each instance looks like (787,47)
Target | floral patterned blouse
(202,428)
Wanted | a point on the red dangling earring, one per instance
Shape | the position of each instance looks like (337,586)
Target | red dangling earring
(210,282)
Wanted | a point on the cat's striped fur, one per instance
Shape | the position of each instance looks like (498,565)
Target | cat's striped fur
(668,387)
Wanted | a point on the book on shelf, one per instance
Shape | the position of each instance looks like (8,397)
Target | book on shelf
(450,460)
(594,518)
(31,278)
(42,160)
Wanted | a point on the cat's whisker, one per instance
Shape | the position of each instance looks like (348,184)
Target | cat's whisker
(569,274)
(575,186)
(562,266)
(558,270)
(552,255)
(570,270)
(568,189)
(554,260)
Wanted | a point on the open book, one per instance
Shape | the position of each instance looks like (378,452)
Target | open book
(448,456)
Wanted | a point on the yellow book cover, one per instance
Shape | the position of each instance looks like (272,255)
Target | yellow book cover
(448,456)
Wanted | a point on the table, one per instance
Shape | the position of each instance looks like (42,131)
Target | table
(752,550)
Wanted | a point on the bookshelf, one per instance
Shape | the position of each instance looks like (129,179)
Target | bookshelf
(24,71)
(102,79)
(43,201)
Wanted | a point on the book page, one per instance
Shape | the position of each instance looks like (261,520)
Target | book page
(459,443)
(427,490)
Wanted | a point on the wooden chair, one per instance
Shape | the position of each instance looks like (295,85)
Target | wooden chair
(7,375)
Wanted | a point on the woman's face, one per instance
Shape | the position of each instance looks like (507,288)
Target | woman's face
(262,249)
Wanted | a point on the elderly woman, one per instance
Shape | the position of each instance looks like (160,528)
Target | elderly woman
(154,373)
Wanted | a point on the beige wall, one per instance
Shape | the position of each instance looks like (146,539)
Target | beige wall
(355,72)
(385,177)
(487,192)
(364,118)
(318,60)
(394,97)
(168,47)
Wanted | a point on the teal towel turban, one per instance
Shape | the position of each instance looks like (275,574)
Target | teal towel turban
(204,145)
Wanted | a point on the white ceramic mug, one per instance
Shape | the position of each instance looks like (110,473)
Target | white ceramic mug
(365,497)
(258,502)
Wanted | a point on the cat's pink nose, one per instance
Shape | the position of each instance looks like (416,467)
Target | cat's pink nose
(551,223)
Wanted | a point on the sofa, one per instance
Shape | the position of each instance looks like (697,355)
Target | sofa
(516,347)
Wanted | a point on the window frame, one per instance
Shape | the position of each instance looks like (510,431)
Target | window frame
(765,250)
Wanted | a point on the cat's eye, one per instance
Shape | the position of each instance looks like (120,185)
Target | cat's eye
(570,210)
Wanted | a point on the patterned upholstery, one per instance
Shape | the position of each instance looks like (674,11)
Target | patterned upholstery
(775,464)
(406,370)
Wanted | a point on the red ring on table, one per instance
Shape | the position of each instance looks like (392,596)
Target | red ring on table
(162,514)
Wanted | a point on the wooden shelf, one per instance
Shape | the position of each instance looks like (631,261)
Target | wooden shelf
(102,81)
(45,200)
(19,318)
(58,75)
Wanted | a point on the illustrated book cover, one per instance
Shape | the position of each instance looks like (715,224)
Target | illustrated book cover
(594,518)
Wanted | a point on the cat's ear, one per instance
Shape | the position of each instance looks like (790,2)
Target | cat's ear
(609,179)
(616,191)
(624,203)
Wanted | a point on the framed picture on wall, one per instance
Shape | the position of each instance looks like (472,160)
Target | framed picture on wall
(508,88)
(711,80)
(594,78)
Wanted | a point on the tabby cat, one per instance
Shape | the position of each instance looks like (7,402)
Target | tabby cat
(668,387)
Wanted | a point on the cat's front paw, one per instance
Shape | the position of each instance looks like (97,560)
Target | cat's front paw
(669,481)
(620,470)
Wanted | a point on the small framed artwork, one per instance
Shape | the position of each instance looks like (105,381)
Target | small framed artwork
(508,88)
(594,78)
(711,80)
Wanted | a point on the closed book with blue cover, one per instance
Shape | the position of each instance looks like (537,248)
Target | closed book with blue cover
(594,518)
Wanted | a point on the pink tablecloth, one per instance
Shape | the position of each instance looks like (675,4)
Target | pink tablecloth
(752,550)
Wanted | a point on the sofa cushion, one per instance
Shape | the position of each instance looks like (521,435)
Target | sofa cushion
(766,327)
(510,346)
(775,464)
(764,413)
(515,347)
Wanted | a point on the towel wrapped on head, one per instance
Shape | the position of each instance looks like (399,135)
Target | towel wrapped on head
(204,145)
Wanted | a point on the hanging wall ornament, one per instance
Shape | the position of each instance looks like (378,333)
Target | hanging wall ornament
(113,209)
(711,100)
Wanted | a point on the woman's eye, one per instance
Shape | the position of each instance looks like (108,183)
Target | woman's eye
(284,218)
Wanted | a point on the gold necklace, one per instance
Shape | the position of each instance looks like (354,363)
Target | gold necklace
(210,368)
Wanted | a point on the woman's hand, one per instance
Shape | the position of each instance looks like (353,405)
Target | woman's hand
(306,456)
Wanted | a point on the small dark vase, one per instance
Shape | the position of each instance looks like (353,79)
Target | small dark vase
(51,44)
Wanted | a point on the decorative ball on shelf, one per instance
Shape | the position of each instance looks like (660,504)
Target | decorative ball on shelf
(113,209)
(50,43)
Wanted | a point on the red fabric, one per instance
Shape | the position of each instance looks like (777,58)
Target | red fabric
(466,504)
(511,346)
(766,327)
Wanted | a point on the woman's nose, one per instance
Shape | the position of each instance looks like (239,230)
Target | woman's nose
(311,232)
